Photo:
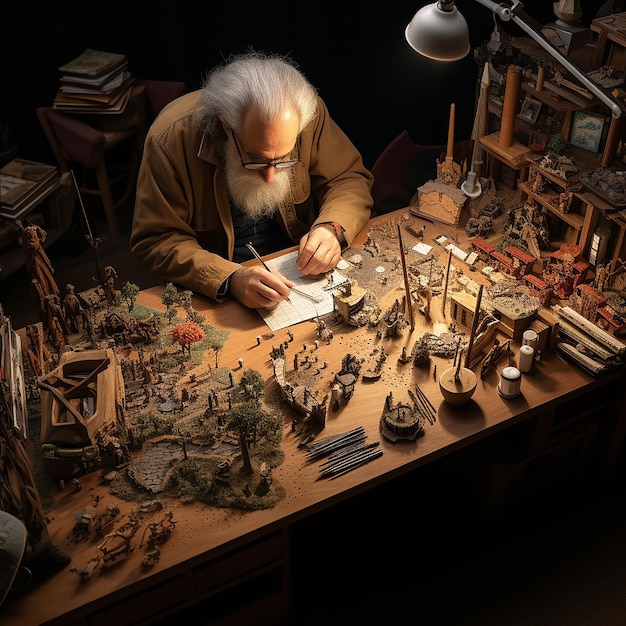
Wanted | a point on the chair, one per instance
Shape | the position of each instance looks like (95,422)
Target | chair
(403,166)
(159,93)
(94,142)
(76,141)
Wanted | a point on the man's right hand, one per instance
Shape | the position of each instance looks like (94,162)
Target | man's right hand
(257,288)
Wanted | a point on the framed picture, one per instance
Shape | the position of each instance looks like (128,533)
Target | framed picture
(587,130)
(530,110)
(537,141)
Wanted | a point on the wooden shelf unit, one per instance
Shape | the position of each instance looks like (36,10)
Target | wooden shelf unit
(611,41)
(582,216)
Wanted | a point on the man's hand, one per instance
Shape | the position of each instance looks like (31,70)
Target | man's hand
(257,288)
(319,251)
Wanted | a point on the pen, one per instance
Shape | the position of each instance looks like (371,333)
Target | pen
(257,256)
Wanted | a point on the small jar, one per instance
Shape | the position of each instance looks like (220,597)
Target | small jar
(510,382)
(526,356)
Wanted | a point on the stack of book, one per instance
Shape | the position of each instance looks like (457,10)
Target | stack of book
(94,82)
(23,185)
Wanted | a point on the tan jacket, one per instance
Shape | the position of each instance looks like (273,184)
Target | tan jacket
(182,227)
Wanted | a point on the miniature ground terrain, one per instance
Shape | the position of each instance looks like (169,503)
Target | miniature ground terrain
(175,438)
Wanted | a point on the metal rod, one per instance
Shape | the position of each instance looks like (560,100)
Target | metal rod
(373,455)
(515,14)
(90,238)
(341,465)
(342,454)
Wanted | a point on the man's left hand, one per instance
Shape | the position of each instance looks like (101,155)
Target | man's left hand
(319,251)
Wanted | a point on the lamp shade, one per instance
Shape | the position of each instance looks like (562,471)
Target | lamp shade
(438,34)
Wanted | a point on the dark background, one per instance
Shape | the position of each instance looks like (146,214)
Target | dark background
(374,84)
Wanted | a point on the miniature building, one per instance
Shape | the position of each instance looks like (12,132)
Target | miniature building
(349,300)
(538,288)
(503,262)
(462,307)
(78,400)
(565,270)
(591,302)
(522,260)
(608,320)
(595,308)
(440,202)
(482,248)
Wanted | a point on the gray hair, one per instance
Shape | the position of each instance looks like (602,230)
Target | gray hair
(268,82)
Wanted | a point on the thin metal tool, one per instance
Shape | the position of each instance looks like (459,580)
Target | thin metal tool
(304,294)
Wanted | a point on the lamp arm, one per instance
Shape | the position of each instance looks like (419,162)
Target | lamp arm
(515,14)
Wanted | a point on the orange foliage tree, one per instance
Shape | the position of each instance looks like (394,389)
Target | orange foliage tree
(187,333)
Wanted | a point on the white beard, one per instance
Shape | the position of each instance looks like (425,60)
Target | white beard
(250,192)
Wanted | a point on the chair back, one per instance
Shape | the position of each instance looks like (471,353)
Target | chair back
(159,93)
(71,139)
(403,166)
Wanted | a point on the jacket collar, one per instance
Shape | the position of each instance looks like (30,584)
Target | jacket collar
(208,151)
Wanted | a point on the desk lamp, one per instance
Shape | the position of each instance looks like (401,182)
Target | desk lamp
(438,31)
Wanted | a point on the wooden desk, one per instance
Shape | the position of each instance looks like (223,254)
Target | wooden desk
(236,564)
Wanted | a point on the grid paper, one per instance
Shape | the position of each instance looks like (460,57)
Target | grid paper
(298,308)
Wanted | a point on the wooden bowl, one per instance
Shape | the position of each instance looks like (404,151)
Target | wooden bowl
(457,392)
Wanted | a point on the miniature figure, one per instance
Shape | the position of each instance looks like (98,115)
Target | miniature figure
(71,307)
(40,265)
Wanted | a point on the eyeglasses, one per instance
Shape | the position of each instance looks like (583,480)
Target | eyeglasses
(263,165)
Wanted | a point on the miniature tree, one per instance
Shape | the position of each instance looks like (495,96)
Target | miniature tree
(186,334)
(170,313)
(252,384)
(169,297)
(557,144)
(129,293)
(244,419)
(215,340)
(184,299)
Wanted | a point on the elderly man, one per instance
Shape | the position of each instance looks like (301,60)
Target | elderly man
(252,157)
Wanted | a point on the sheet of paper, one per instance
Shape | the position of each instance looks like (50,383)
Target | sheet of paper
(422,248)
(299,308)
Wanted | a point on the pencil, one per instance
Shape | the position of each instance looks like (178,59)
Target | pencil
(257,256)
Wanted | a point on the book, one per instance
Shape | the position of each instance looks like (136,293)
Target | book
(105,88)
(24,182)
(13,189)
(93,82)
(94,103)
(27,171)
(28,202)
(93,63)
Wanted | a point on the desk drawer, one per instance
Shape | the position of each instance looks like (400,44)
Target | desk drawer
(536,474)
(145,606)
(267,552)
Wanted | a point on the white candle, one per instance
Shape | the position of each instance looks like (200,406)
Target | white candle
(526,355)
